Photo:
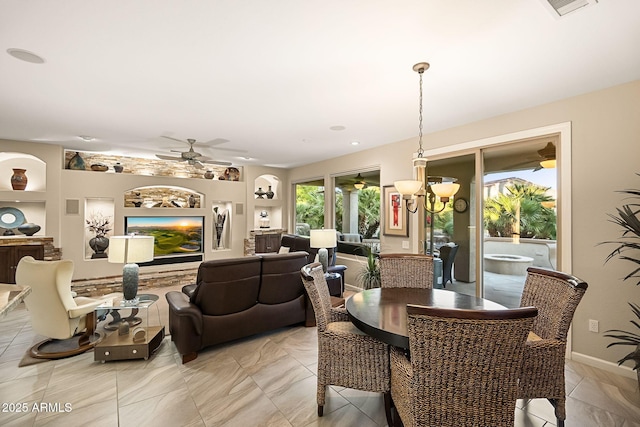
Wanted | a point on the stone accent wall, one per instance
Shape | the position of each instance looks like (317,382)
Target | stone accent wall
(104,285)
(250,243)
(157,197)
(151,167)
(51,253)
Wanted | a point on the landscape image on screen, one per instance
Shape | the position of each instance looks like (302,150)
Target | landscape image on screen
(174,235)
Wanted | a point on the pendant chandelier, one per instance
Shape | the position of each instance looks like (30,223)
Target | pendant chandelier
(425,188)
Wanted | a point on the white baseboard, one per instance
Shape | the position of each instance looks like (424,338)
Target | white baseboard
(605,365)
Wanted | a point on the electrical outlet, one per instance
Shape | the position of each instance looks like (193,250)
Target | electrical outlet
(593,325)
(405,244)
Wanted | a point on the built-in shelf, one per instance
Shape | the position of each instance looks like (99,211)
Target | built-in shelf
(22,196)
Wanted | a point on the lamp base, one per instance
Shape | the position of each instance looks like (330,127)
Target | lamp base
(323,257)
(130,283)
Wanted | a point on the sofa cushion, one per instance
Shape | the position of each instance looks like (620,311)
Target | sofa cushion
(279,271)
(227,285)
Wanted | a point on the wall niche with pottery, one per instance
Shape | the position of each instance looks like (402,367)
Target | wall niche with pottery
(98,224)
(221,235)
(29,169)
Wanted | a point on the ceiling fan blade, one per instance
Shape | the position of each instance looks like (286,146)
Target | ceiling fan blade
(216,141)
(163,157)
(232,150)
(198,164)
(174,139)
(217,162)
(203,158)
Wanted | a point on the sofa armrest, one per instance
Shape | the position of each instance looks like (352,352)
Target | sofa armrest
(188,290)
(180,306)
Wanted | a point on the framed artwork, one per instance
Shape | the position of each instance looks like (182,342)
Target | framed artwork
(396,216)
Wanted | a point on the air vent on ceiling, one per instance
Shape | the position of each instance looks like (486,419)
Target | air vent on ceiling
(562,7)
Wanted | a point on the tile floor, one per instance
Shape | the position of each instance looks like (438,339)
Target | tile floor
(266,380)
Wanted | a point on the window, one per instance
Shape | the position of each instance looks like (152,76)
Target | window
(310,199)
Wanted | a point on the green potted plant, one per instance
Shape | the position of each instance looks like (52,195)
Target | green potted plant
(370,274)
(628,249)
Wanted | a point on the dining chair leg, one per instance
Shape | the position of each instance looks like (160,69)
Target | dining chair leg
(388,406)
(558,406)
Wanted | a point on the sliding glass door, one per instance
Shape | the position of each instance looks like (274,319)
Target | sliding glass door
(519,216)
(508,214)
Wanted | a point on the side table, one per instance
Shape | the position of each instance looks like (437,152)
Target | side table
(132,339)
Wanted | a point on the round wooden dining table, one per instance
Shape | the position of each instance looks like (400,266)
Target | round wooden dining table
(382,313)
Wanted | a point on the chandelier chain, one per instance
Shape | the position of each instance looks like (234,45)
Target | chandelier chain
(420,150)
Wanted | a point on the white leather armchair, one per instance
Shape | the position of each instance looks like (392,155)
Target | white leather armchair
(55,313)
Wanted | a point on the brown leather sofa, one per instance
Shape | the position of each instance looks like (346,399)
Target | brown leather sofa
(236,298)
(302,243)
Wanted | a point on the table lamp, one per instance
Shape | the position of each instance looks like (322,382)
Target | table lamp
(323,239)
(130,250)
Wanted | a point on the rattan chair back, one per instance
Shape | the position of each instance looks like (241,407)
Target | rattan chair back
(463,367)
(556,295)
(406,271)
(347,357)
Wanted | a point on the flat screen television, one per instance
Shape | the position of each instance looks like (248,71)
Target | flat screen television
(175,236)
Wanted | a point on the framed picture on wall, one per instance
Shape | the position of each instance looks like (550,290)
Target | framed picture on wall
(395,216)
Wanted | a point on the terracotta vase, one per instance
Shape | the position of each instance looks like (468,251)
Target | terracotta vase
(19,179)
(209,174)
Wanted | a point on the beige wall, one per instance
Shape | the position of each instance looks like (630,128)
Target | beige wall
(605,158)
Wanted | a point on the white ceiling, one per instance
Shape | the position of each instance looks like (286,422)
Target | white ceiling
(272,77)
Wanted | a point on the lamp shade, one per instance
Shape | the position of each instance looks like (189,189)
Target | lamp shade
(408,187)
(325,238)
(130,249)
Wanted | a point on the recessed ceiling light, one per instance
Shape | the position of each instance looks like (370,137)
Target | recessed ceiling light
(25,55)
(337,127)
(355,142)
(86,138)
(247,158)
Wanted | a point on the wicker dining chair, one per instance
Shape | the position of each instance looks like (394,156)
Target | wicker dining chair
(556,295)
(347,357)
(406,271)
(463,366)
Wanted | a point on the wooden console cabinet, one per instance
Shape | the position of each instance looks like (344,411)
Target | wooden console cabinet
(266,243)
(11,255)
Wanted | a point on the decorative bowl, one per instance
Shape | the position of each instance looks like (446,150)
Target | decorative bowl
(99,167)
(28,228)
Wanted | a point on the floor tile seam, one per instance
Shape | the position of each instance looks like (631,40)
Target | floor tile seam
(629,416)
(184,383)
(530,414)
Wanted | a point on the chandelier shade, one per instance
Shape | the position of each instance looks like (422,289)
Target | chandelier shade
(408,187)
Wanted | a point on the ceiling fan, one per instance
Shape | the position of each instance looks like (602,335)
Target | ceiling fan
(545,159)
(191,156)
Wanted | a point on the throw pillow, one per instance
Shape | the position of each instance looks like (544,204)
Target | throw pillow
(283,250)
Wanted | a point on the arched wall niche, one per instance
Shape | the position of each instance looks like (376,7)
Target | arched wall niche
(36,170)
